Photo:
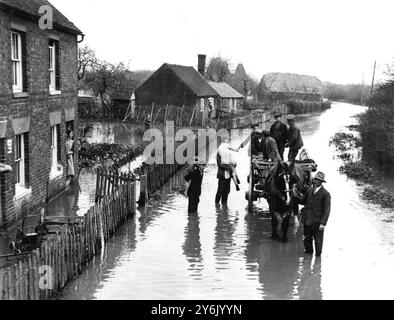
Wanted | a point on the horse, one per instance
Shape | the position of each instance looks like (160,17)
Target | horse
(285,181)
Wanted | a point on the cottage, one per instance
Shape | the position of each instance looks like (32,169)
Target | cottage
(276,88)
(38,104)
(177,85)
(229,99)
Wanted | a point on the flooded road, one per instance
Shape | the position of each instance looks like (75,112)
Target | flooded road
(228,254)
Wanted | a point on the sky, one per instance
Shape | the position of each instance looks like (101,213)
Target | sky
(335,40)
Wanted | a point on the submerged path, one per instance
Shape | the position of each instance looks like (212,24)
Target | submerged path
(227,253)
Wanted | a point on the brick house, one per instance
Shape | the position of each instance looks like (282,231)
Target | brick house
(38,104)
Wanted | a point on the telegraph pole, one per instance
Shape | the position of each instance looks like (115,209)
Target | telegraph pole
(362,91)
(373,78)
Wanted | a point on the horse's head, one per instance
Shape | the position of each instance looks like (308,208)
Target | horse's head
(285,180)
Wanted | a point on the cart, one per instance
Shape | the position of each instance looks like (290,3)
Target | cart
(259,172)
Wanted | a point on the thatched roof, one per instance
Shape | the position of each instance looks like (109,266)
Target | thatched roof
(225,90)
(30,8)
(292,83)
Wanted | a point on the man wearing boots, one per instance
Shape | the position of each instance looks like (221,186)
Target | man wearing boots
(315,214)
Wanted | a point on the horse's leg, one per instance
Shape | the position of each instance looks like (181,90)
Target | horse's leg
(274,221)
(285,228)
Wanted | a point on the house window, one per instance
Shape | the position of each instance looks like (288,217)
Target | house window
(55,147)
(16,57)
(20,160)
(54,66)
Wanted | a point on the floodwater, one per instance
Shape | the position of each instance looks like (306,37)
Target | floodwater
(164,253)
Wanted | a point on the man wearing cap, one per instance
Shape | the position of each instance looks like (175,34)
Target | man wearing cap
(295,142)
(280,133)
(315,214)
(194,178)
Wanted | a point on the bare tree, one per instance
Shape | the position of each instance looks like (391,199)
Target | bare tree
(218,70)
(87,60)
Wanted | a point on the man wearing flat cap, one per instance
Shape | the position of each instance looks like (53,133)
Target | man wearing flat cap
(315,214)
(294,142)
(280,133)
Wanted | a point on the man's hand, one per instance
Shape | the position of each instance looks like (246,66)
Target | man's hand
(322,227)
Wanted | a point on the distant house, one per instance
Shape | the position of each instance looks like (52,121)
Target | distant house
(281,87)
(121,101)
(38,105)
(229,100)
(86,104)
(175,85)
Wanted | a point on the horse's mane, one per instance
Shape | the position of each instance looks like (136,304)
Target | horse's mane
(295,171)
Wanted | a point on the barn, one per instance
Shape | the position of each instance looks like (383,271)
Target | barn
(177,86)
(277,88)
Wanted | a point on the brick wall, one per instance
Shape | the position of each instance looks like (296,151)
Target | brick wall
(38,105)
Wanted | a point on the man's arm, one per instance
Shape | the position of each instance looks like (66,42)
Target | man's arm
(326,208)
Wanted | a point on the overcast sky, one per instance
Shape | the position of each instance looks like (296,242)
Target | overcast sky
(336,40)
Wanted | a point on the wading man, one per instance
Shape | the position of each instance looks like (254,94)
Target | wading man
(280,133)
(194,179)
(295,142)
(225,173)
(315,214)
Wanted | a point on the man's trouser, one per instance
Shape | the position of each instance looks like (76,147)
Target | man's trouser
(293,153)
(194,201)
(281,149)
(224,189)
(313,233)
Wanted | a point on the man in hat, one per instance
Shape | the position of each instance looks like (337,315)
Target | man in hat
(315,214)
(280,133)
(294,142)
(194,179)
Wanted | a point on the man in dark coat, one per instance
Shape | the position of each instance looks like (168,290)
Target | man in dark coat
(258,144)
(295,142)
(280,133)
(315,214)
(271,152)
(194,179)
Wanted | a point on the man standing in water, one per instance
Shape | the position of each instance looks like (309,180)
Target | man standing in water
(194,178)
(315,214)
(224,174)
(295,142)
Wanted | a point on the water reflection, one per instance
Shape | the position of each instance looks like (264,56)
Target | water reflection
(226,225)
(192,246)
(308,284)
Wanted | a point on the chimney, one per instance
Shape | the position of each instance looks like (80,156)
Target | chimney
(202,60)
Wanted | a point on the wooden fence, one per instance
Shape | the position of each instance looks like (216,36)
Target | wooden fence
(66,254)
(108,180)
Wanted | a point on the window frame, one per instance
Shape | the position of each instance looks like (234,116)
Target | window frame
(17,62)
(20,162)
(52,66)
